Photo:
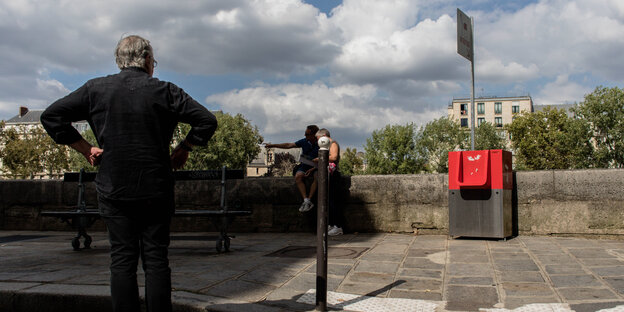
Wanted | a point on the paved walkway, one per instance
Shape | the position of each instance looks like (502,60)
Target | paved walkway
(367,272)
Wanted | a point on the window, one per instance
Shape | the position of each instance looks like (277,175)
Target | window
(464,109)
(480,121)
(498,107)
(480,108)
(498,121)
(464,122)
(515,109)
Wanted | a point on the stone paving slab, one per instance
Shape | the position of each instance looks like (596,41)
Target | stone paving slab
(441,274)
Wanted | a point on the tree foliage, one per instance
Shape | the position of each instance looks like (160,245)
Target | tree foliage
(234,144)
(392,150)
(550,139)
(604,110)
(350,162)
(436,139)
(488,137)
(28,151)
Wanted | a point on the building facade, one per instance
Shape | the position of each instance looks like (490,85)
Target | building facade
(499,111)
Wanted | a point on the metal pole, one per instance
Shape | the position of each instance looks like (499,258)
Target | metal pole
(472,93)
(321,229)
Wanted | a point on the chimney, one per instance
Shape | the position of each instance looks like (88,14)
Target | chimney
(23,111)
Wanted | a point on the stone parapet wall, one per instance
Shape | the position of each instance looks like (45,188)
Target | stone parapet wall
(545,202)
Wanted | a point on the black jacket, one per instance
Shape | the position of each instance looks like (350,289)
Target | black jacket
(133,117)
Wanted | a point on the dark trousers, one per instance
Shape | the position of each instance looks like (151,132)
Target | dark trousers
(335,208)
(139,229)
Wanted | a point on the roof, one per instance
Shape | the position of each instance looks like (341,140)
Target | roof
(495,98)
(32,116)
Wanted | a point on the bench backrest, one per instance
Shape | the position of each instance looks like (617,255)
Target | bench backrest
(216,174)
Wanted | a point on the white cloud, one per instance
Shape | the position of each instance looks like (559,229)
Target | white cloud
(375,62)
(351,110)
(494,70)
(562,91)
(556,36)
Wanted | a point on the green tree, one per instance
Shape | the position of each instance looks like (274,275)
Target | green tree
(77,160)
(550,139)
(350,162)
(488,137)
(54,157)
(436,139)
(392,150)
(604,110)
(19,158)
(28,151)
(234,144)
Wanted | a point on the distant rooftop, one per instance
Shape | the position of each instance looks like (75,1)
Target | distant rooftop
(26,116)
(494,98)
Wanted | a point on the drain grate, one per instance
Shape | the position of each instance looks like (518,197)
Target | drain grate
(17,238)
(310,252)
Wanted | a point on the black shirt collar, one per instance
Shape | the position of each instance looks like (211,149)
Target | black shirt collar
(135,69)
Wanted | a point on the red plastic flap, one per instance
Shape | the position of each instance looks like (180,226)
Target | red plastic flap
(473,172)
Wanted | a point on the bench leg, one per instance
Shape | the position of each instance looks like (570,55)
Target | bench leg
(223,241)
(82,223)
(82,232)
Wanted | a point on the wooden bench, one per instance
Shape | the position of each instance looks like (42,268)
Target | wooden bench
(81,217)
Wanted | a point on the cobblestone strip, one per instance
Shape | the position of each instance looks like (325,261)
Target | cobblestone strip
(542,269)
(497,278)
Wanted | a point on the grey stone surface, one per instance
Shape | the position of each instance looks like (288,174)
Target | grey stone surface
(527,290)
(574,280)
(420,295)
(587,294)
(609,271)
(241,290)
(470,298)
(481,281)
(521,276)
(377,267)
(564,269)
(516,265)
(406,272)
(470,269)
(246,279)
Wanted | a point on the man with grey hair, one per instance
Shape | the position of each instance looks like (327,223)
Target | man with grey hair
(133,117)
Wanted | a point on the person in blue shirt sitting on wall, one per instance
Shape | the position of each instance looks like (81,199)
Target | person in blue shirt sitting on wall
(309,151)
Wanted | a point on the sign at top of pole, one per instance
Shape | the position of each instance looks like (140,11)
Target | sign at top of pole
(464,35)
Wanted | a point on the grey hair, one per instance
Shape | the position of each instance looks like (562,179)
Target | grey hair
(131,51)
(323,132)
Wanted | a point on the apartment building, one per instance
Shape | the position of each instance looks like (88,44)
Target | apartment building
(498,111)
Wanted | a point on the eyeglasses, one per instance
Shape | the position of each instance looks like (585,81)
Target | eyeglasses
(155,63)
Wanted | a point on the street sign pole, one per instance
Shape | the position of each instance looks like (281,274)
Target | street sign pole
(465,48)
(472,94)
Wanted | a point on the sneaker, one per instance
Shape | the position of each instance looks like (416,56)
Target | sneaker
(306,206)
(335,231)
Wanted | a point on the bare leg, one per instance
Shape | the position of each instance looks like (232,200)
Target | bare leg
(313,187)
(300,181)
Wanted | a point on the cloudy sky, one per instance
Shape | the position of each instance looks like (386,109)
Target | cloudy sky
(352,66)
